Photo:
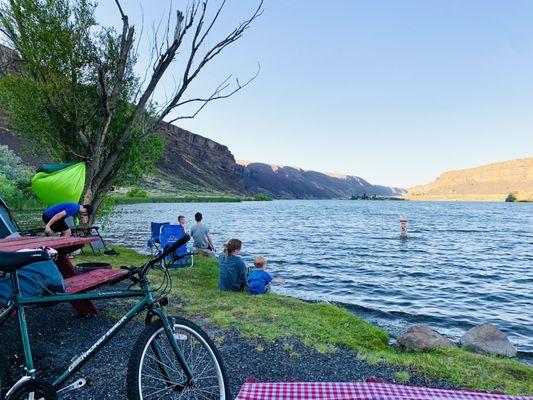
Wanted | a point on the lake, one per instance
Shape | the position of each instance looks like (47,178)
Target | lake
(462,264)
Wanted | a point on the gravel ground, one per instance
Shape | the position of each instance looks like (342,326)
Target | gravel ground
(57,336)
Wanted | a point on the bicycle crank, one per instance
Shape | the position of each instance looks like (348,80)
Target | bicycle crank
(79,383)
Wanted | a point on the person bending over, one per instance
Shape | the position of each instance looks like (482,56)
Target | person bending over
(203,244)
(259,279)
(231,268)
(54,217)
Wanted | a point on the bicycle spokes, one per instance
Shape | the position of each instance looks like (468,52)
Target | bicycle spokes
(162,375)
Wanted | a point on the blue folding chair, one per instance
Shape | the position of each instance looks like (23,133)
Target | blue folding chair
(155,241)
(182,257)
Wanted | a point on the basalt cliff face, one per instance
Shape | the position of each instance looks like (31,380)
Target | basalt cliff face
(199,161)
(492,182)
(295,183)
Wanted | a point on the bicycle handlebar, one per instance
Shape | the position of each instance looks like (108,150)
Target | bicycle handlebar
(144,269)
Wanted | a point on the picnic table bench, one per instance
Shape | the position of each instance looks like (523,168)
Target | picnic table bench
(75,283)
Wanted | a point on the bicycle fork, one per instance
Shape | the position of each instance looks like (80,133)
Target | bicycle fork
(169,331)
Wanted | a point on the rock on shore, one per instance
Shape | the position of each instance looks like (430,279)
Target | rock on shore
(488,339)
(423,338)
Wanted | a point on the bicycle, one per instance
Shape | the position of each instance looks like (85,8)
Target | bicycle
(172,358)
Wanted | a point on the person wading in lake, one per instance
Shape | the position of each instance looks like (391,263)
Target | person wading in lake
(232,269)
(203,244)
(54,217)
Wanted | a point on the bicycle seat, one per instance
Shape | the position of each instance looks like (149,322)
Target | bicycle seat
(11,261)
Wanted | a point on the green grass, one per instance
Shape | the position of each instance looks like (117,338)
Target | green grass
(176,199)
(326,328)
(187,199)
(402,376)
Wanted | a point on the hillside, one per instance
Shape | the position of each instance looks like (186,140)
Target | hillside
(492,182)
(296,183)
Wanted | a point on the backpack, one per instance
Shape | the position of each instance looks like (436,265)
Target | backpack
(36,280)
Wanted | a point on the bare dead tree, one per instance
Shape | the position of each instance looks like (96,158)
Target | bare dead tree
(102,166)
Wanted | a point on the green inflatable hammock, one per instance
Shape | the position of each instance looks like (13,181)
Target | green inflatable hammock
(57,183)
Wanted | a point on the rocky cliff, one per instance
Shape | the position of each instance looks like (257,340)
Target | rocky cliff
(295,183)
(492,182)
(199,161)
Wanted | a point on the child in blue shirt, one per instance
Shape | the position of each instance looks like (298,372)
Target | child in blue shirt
(259,280)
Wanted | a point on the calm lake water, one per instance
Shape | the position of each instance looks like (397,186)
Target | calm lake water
(463,263)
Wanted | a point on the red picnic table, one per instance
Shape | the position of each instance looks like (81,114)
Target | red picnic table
(75,282)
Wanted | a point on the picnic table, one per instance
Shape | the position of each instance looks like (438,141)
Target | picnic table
(75,282)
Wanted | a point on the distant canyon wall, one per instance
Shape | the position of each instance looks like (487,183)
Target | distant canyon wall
(295,183)
(492,182)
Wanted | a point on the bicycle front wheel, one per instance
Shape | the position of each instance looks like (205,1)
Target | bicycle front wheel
(154,371)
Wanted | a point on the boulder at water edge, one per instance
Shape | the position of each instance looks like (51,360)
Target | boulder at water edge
(422,337)
(486,338)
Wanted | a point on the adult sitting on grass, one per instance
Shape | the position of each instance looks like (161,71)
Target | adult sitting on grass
(54,217)
(231,268)
(203,244)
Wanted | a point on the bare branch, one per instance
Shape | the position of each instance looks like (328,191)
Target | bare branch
(217,94)
(120,9)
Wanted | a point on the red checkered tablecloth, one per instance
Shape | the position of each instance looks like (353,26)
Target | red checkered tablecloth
(357,391)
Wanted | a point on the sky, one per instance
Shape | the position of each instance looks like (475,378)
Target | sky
(395,92)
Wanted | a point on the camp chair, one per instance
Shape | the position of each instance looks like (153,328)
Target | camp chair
(154,241)
(91,232)
(8,226)
(182,257)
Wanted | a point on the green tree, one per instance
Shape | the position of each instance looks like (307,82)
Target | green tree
(78,96)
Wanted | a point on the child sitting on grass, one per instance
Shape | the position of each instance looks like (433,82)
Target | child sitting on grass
(259,280)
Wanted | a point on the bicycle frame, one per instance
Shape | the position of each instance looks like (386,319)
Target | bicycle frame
(147,302)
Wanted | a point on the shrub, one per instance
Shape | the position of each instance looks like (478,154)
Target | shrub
(9,190)
(510,198)
(262,197)
(11,166)
(136,192)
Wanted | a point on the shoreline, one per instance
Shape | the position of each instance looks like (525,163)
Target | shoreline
(326,329)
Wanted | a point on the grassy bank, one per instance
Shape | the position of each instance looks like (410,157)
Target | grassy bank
(327,328)
(185,199)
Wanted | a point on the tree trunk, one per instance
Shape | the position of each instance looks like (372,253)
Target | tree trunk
(96,189)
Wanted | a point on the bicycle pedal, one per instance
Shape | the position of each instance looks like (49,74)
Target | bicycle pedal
(79,383)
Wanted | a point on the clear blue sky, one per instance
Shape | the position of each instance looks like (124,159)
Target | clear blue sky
(393,91)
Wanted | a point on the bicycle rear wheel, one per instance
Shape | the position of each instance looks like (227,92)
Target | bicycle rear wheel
(155,373)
